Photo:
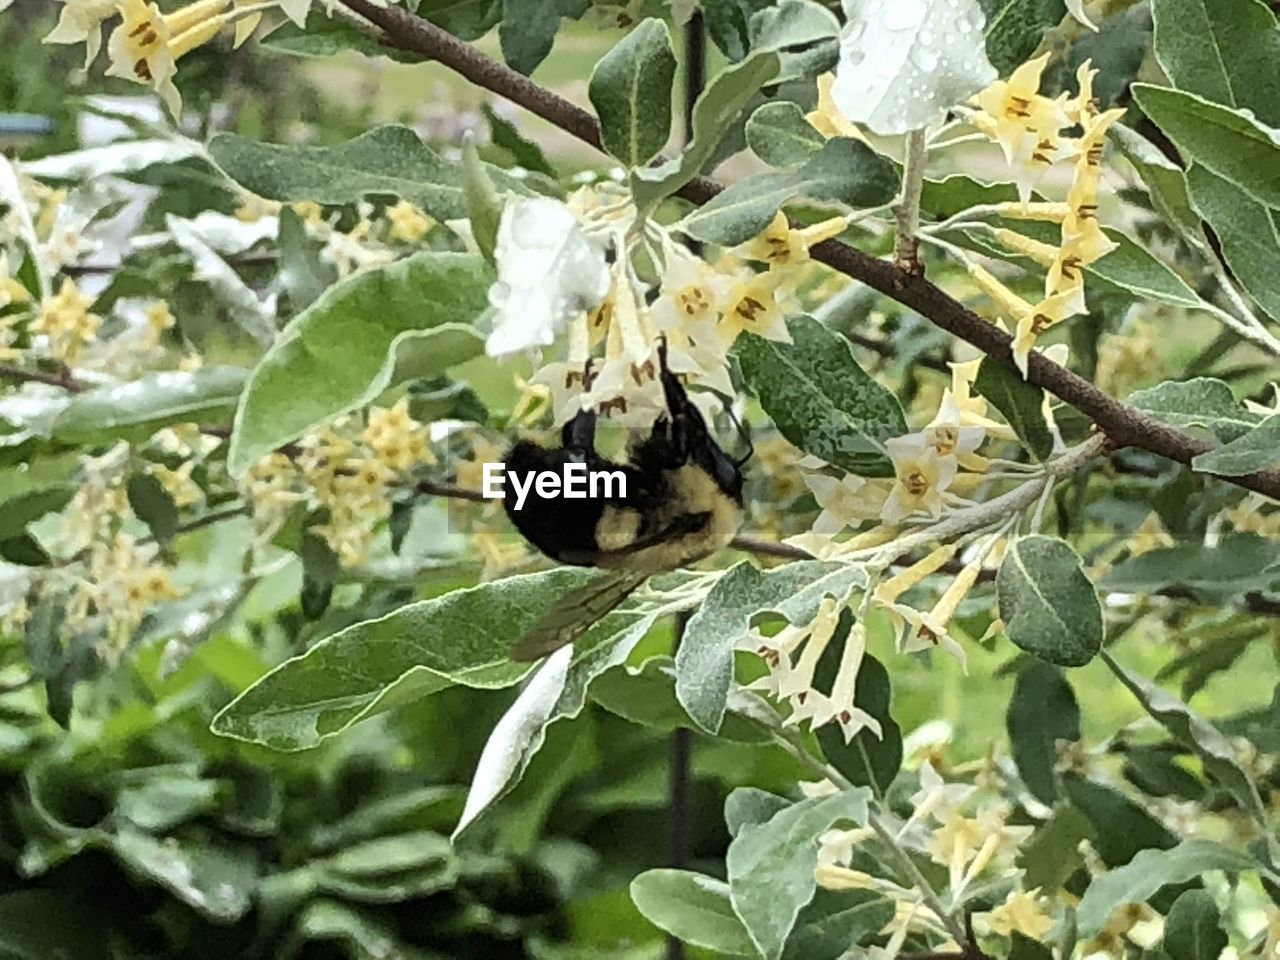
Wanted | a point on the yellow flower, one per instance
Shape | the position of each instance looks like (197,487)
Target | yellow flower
(11,291)
(752,305)
(1045,314)
(1026,125)
(1083,107)
(408,223)
(147,45)
(826,117)
(690,290)
(397,440)
(781,246)
(1021,912)
(81,22)
(184,491)
(66,321)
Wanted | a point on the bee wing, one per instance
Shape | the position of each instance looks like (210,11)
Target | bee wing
(575,616)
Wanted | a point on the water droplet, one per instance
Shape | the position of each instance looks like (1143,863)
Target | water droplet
(924,58)
(854,57)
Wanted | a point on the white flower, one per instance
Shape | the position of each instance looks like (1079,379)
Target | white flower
(922,476)
(548,273)
(936,797)
(845,501)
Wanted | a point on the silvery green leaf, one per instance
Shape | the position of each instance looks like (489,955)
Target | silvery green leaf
(1256,450)
(128,156)
(631,91)
(904,62)
(254,316)
(779,135)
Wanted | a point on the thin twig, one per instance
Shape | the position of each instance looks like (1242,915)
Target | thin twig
(1123,424)
(62,379)
(906,248)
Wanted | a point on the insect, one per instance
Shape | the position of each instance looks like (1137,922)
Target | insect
(682,502)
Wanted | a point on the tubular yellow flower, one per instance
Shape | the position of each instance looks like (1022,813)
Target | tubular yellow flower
(1009,303)
(1041,253)
(11,291)
(1021,912)
(751,304)
(1036,320)
(826,117)
(1051,212)
(890,590)
(781,246)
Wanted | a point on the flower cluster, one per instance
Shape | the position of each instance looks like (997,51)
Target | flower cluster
(146,45)
(1031,128)
(346,472)
(554,278)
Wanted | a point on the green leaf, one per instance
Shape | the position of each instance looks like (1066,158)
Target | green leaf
(254,316)
(303,274)
(216,882)
(1015,28)
(647,696)
(138,409)
(153,506)
(1047,603)
(903,66)
(771,865)
(326,36)
(1134,269)
(51,924)
(386,161)
(1202,402)
(1193,928)
(528,29)
(1249,234)
(466,19)
(1213,48)
(1051,855)
(779,135)
(1023,947)
(165,797)
(704,662)
(461,637)
(1121,828)
(1256,450)
(692,908)
(747,805)
(867,760)
(716,110)
(804,34)
(1226,141)
(631,89)
(507,136)
(843,172)
(1020,402)
(820,399)
(1146,873)
(484,206)
(1042,711)
(1165,180)
(346,348)
(1193,731)
(833,921)
(1236,564)
(389,869)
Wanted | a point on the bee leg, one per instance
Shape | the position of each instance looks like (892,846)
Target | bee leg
(580,432)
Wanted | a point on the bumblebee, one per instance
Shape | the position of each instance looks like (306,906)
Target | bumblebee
(679,500)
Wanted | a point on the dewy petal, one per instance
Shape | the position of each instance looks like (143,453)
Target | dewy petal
(548,273)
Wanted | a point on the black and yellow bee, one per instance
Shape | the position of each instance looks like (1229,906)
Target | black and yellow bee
(680,501)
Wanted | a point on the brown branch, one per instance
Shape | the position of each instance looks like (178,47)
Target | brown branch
(62,378)
(1124,425)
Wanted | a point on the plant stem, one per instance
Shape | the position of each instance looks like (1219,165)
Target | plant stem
(906,248)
